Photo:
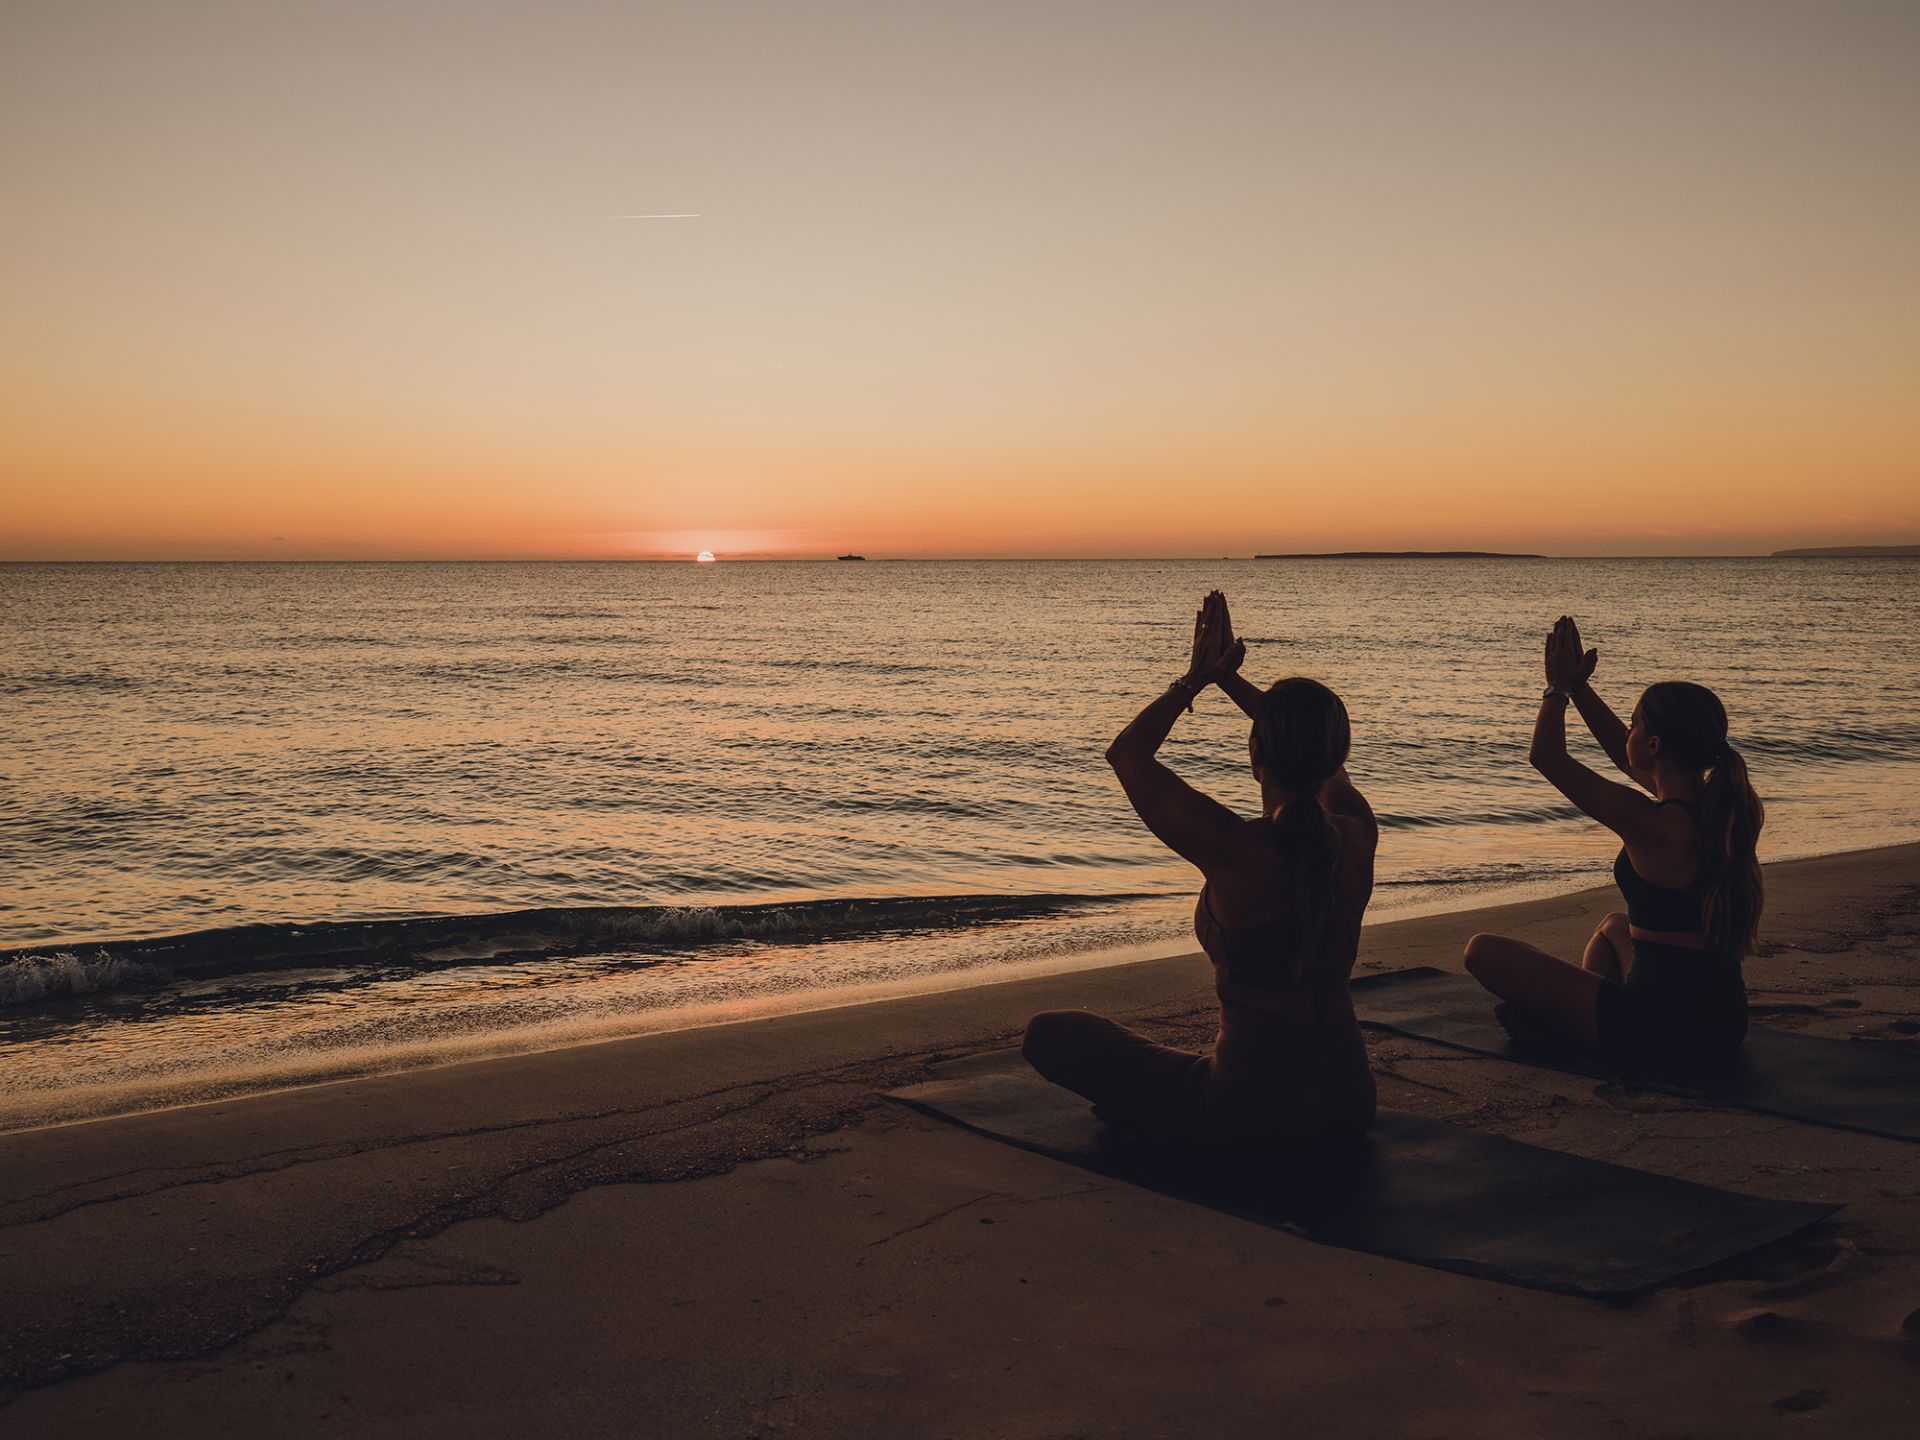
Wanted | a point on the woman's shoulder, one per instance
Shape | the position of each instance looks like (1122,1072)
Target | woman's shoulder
(1676,822)
(1264,843)
(1666,853)
(1358,833)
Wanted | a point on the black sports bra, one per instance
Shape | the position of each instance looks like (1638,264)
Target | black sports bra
(1658,907)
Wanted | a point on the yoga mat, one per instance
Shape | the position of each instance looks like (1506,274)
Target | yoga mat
(1414,1189)
(1845,1084)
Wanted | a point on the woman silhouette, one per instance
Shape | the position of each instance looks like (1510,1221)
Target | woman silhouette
(1279,917)
(1664,978)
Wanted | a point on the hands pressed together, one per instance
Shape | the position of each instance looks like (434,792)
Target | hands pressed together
(1568,667)
(1216,653)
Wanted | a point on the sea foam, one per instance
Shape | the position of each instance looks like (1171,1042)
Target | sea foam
(25,979)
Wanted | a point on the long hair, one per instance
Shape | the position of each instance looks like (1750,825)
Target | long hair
(1692,726)
(1300,737)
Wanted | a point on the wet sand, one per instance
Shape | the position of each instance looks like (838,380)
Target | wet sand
(725,1232)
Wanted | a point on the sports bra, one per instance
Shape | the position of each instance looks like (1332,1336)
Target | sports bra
(1659,907)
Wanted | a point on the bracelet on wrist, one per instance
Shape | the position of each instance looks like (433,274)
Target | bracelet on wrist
(1188,688)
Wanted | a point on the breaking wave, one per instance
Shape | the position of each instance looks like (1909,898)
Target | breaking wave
(48,972)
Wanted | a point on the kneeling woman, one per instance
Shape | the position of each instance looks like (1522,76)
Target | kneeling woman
(1663,980)
(1279,916)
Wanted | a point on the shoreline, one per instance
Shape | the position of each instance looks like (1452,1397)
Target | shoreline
(326,1068)
(222,1233)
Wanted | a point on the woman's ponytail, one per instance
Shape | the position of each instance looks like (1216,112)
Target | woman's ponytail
(1692,726)
(1728,834)
(1312,847)
(1301,737)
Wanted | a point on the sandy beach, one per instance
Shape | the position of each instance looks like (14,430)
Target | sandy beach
(727,1232)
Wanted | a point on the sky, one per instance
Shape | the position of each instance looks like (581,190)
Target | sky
(346,280)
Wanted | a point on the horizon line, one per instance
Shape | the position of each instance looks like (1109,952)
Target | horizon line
(823,558)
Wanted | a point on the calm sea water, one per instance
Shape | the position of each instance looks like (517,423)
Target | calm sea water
(709,787)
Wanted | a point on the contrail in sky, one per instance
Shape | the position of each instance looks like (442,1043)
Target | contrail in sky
(693,216)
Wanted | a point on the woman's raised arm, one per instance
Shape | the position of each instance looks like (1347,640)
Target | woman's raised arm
(1626,812)
(1601,721)
(1187,821)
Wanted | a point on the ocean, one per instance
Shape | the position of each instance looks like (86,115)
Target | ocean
(271,824)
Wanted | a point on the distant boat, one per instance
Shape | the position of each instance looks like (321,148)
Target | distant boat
(849,557)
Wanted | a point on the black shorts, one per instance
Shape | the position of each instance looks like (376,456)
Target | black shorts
(1676,1004)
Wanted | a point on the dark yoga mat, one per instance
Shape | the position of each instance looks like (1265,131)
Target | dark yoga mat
(1846,1084)
(1415,1189)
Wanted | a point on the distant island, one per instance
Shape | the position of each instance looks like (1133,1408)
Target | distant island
(1845,552)
(1401,555)
(849,557)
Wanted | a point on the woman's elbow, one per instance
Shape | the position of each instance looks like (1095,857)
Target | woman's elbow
(1131,766)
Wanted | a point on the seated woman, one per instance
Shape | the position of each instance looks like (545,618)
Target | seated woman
(1279,916)
(1663,980)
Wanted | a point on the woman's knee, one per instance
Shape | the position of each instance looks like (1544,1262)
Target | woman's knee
(1480,952)
(1046,1036)
(1497,960)
(1616,928)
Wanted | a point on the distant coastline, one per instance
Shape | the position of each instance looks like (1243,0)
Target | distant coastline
(1831,552)
(1846,552)
(1402,555)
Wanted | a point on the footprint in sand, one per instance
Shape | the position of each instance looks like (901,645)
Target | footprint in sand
(1759,1324)
(1848,1262)
(1801,1401)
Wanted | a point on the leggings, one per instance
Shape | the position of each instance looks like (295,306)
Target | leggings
(1676,1004)
(1287,1101)
(1134,1083)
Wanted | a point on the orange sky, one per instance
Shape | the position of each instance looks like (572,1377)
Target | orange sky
(1059,279)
